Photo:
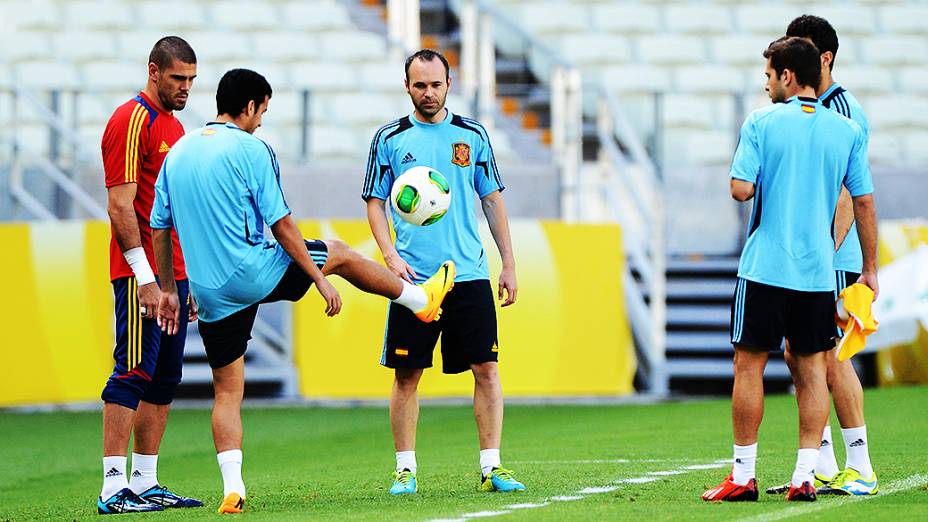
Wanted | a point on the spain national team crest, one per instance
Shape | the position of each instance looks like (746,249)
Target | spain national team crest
(461,154)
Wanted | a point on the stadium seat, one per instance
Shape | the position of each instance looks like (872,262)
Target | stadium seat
(335,142)
(897,112)
(27,16)
(554,18)
(85,46)
(285,108)
(353,109)
(848,19)
(115,77)
(865,80)
(916,148)
(849,52)
(315,16)
(914,80)
(136,45)
(353,46)
(286,46)
(242,16)
(216,46)
(896,50)
(595,48)
(48,75)
(25,46)
(384,77)
(173,16)
(907,19)
(323,76)
(741,50)
(768,20)
(684,111)
(627,19)
(885,149)
(698,19)
(698,147)
(709,79)
(108,16)
(94,110)
(671,50)
(636,78)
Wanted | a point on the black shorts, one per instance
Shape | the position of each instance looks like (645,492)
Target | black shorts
(844,279)
(761,315)
(225,340)
(467,328)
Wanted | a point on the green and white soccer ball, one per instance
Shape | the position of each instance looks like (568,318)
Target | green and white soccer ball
(421,196)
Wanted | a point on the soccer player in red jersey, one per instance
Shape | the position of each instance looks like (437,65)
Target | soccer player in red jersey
(138,394)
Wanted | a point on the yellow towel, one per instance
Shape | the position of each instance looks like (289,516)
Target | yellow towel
(859,323)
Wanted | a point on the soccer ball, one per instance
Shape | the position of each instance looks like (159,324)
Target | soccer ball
(421,196)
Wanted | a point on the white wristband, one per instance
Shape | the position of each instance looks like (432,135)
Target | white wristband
(139,264)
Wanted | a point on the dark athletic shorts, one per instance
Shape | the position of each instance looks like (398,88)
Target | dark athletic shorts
(844,279)
(762,315)
(225,340)
(467,329)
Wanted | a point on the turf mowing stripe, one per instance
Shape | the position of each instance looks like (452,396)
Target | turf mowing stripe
(652,476)
(913,481)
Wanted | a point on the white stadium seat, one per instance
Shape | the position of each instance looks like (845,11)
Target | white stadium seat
(26,15)
(865,79)
(25,46)
(740,50)
(671,50)
(245,16)
(627,18)
(48,75)
(896,50)
(908,19)
(95,110)
(278,75)
(885,148)
(353,46)
(285,108)
(699,148)
(115,76)
(769,20)
(315,16)
(136,45)
(914,80)
(368,109)
(99,15)
(545,18)
(698,19)
(323,76)
(286,46)
(897,112)
(173,16)
(636,78)
(595,48)
(709,79)
(85,46)
(694,112)
(217,46)
(916,148)
(382,77)
(334,142)
(851,20)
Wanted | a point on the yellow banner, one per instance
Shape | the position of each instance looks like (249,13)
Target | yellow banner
(567,335)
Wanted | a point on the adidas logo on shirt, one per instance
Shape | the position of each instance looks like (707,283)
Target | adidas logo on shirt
(164,147)
(858,443)
(113,472)
(408,158)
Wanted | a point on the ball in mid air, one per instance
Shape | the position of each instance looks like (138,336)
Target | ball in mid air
(421,196)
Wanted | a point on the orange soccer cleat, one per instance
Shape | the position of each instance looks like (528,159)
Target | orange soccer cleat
(804,493)
(728,491)
(233,503)
(436,288)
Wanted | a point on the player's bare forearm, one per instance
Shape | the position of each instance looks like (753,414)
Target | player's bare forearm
(164,258)
(377,220)
(741,190)
(291,239)
(495,210)
(844,217)
(121,210)
(865,215)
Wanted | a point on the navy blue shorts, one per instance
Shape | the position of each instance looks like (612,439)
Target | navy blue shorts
(148,364)
(844,279)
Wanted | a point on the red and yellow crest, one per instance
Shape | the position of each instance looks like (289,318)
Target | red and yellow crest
(460,154)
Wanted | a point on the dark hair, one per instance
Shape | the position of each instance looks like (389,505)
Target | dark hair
(237,87)
(171,48)
(818,30)
(798,55)
(427,55)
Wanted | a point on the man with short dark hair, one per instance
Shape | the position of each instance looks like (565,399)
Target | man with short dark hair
(459,148)
(218,187)
(857,477)
(792,159)
(138,394)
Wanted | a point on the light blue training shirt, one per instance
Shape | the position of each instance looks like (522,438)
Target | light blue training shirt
(218,186)
(797,154)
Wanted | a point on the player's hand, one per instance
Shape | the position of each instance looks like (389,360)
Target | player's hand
(400,267)
(169,312)
(869,279)
(192,310)
(507,282)
(333,301)
(149,295)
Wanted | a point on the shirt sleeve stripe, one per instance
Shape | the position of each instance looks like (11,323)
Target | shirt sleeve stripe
(132,143)
(371,176)
(486,137)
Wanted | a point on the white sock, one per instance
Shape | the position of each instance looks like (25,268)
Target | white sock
(114,476)
(742,470)
(489,459)
(230,465)
(144,472)
(406,460)
(827,465)
(858,454)
(412,297)
(805,466)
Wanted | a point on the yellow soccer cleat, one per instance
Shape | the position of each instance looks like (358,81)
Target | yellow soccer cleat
(436,288)
(850,482)
(233,503)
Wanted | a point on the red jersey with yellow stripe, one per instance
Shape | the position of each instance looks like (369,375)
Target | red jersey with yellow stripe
(135,142)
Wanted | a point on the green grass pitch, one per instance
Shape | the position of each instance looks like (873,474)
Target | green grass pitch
(335,464)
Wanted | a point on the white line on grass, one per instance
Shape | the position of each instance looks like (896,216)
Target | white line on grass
(652,476)
(599,461)
(801,509)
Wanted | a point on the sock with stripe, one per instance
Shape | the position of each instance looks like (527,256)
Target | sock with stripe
(144,473)
(858,454)
(114,476)
(826,464)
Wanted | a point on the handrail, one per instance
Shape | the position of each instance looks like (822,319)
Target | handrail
(53,120)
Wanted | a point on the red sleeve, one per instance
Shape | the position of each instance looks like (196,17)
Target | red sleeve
(121,144)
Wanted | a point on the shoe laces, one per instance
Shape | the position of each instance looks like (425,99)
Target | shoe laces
(502,473)
(841,477)
(403,477)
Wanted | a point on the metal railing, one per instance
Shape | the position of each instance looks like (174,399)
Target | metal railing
(635,194)
(478,80)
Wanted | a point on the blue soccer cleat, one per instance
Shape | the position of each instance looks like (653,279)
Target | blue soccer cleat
(501,480)
(125,501)
(165,498)
(404,483)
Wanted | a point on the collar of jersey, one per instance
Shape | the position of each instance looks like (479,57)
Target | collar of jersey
(834,86)
(446,121)
(228,124)
(803,99)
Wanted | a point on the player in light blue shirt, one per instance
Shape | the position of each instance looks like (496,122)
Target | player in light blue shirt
(460,149)
(792,159)
(218,187)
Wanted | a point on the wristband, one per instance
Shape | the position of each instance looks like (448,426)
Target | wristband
(139,264)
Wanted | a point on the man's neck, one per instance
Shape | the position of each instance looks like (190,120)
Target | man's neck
(225,118)
(825,84)
(437,118)
(803,92)
(152,93)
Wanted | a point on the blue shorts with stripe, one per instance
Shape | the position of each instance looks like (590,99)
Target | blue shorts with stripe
(148,364)
(844,279)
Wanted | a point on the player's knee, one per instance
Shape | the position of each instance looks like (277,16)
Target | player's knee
(407,380)
(486,373)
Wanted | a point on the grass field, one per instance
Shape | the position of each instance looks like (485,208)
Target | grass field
(579,463)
